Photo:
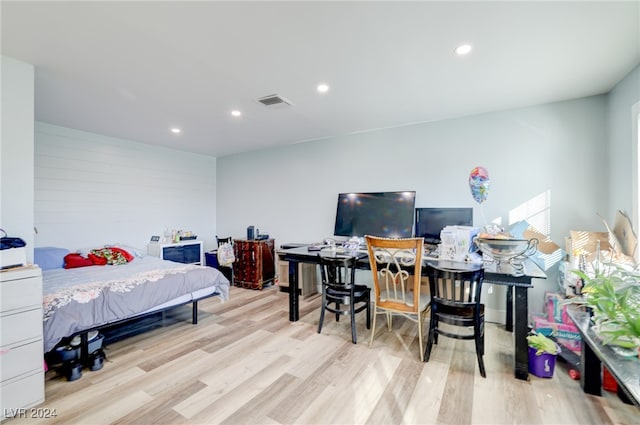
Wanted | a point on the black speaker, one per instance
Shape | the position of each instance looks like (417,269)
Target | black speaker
(251,233)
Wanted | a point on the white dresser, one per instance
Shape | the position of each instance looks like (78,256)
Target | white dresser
(188,252)
(21,349)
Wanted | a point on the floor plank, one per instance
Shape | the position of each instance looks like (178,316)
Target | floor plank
(245,363)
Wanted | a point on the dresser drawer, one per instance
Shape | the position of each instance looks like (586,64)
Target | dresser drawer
(20,326)
(20,360)
(22,393)
(25,291)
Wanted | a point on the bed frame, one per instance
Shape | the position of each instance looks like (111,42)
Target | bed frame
(84,338)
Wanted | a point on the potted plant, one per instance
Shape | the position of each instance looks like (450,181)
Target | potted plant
(613,294)
(542,355)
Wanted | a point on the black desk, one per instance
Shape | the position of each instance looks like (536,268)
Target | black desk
(625,370)
(492,276)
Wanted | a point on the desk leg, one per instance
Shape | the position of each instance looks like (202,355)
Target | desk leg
(520,335)
(590,379)
(508,326)
(294,311)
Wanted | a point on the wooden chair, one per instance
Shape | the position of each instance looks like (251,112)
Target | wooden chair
(455,300)
(340,295)
(396,265)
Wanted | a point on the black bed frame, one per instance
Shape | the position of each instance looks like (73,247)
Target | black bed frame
(84,339)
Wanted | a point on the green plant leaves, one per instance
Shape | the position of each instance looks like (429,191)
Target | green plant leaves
(614,296)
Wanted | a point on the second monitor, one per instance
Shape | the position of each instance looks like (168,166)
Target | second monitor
(430,221)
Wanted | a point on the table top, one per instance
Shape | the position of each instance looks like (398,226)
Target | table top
(497,273)
(626,370)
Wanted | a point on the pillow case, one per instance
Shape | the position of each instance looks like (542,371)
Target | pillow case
(49,257)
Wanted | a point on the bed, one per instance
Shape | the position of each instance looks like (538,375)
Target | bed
(81,299)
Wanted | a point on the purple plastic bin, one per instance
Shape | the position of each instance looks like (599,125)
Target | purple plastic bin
(541,366)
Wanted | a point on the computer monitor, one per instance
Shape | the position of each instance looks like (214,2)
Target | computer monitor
(384,214)
(430,221)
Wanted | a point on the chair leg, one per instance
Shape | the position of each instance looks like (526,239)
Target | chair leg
(420,336)
(389,319)
(353,323)
(479,350)
(337,314)
(430,338)
(321,315)
(368,312)
(435,331)
(373,325)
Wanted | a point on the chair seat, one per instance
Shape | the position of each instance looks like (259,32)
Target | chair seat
(425,299)
(358,292)
(448,310)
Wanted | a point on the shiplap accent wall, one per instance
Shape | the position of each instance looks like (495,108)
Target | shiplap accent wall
(94,190)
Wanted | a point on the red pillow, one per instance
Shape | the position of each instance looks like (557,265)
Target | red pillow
(124,253)
(74,260)
(98,261)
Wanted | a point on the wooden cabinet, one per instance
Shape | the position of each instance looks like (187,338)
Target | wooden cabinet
(21,349)
(255,263)
(188,252)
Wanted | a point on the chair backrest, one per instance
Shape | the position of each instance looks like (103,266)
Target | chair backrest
(396,265)
(221,241)
(456,287)
(338,271)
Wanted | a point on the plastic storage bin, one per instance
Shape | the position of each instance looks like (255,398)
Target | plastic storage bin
(543,365)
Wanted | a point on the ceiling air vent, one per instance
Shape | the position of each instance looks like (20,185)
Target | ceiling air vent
(274,101)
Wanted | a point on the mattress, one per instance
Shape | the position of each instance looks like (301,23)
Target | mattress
(89,297)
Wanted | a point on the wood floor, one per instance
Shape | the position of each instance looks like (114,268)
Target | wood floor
(245,363)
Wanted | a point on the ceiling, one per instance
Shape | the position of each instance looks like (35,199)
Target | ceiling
(133,70)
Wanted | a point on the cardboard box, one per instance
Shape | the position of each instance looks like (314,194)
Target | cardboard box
(617,246)
(622,238)
(585,242)
(556,311)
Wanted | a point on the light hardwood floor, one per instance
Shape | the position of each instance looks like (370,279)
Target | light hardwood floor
(245,363)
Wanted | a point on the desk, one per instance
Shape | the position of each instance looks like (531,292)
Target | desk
(626,371)
(502,276)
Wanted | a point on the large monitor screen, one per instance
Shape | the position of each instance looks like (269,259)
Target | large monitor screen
(430,221)
(384,214)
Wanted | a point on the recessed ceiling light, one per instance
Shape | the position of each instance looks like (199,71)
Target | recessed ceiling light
(463,49)
(175,130)
(236,113)
(323,88)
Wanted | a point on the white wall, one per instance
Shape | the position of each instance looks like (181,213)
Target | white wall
(16,151)
(556,149)
(622,146)
(92,190)
(291,192)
